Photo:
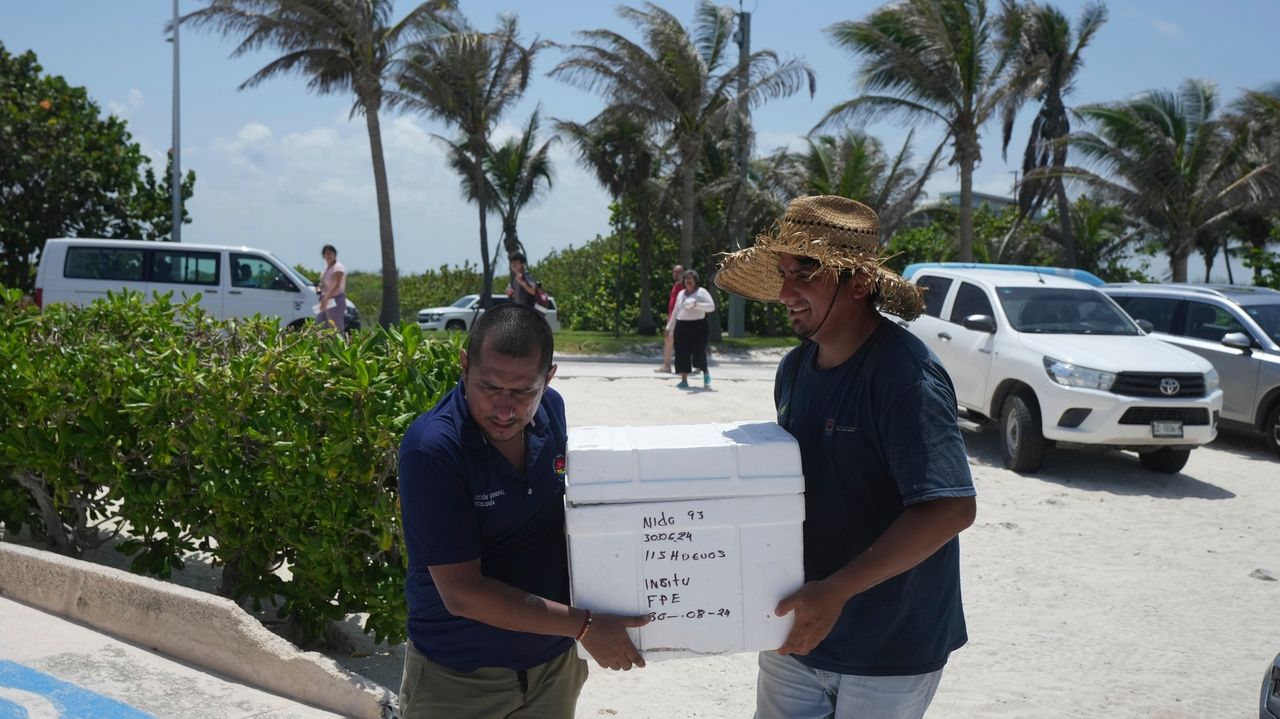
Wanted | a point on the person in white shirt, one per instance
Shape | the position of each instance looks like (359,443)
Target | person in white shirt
(689,322)
(333,286)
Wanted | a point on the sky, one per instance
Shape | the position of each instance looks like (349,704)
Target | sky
(282,169)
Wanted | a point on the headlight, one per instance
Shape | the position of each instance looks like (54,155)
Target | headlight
(429,317)
(1069,375)
(1210,381)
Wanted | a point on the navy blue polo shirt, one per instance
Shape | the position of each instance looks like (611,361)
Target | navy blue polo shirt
(461,500)
(877,434)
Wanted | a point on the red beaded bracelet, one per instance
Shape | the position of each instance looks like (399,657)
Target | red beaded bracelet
(586,625)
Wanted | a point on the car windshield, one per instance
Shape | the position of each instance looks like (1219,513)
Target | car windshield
(1268,318)
(464,302)
(1057,310)
(299,279)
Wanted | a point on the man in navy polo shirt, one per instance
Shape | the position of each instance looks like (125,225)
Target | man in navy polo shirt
(482,498)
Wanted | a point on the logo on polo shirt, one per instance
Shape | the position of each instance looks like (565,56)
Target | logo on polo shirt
(488,499)
(560,465)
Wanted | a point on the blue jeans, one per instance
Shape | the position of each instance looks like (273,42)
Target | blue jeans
(787,689)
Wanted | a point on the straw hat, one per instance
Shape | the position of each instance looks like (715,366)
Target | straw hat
(841,234)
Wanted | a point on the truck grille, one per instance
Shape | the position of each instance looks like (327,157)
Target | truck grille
(1147,384)
(1189,416)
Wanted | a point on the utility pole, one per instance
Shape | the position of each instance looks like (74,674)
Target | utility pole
(175,182)
(737,305)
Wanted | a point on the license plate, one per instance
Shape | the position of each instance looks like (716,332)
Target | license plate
(1172,428)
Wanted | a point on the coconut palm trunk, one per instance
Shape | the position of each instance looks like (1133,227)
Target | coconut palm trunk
(478,149)
(1068,234)
(966,210)
(688,207)
(390,312)
(644,241)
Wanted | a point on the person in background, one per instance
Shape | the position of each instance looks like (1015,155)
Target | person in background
(333,286)
(525,291)
(886,475)
(491,632)
(689,323)
(668,337)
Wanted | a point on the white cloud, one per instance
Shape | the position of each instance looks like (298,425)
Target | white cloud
(133,101)
(293,192)
(1167,28)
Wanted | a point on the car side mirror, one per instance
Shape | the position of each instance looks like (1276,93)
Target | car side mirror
(1146,326)
(980,323)
(1238,340)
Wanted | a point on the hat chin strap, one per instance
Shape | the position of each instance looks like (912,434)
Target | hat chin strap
(830,306)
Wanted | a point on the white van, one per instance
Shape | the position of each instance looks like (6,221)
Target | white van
(231,281)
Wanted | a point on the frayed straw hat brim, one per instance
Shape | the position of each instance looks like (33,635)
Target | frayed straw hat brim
(753,272)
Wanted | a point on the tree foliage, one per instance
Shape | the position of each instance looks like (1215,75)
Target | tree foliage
(1047,58)
(67,171)
(339,46)
(1171,161)
(254,446)
(937,60)
(680,82)
(469,79)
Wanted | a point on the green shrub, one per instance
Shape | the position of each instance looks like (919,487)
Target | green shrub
(262,447)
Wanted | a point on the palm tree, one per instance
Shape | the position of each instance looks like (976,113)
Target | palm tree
(681,83)
(1169,161)
(855,165)
(1047,63)
(518,173)
(942,60)
(341,46)
(1102,234)
(1257,112)
(470,79)
(622,154)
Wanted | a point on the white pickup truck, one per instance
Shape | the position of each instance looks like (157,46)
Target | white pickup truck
(1055,360)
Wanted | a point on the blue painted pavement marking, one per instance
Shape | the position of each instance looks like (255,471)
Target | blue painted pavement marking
(28,694)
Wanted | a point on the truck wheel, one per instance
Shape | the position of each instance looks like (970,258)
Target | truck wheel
(456,325)
(1272,429)
(1022,443)
(1166,461)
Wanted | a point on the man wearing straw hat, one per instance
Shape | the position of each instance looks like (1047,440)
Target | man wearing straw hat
(887,484)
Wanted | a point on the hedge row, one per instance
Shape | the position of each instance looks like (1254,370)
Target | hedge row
(263,448)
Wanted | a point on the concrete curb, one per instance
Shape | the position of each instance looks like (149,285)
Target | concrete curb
(192,626)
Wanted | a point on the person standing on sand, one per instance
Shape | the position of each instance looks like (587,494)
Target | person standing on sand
(887,483)
(668,337)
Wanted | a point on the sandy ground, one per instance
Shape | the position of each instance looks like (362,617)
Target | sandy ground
(1093,589)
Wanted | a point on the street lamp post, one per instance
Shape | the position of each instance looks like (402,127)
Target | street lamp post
(175,181)
(738,306)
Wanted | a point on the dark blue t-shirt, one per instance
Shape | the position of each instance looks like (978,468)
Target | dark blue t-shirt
(461,500)
(878,433)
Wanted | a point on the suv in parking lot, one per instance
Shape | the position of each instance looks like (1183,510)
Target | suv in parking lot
(466,310)
(1235,327)
(1055,360)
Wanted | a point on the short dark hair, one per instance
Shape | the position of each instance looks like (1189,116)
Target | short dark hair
(329,248)
(517,331)
(697,279)
(517,256)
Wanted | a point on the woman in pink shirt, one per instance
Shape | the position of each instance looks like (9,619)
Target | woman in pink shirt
(333,287)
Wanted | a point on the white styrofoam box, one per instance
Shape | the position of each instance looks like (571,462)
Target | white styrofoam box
(631,464)
(674,541)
